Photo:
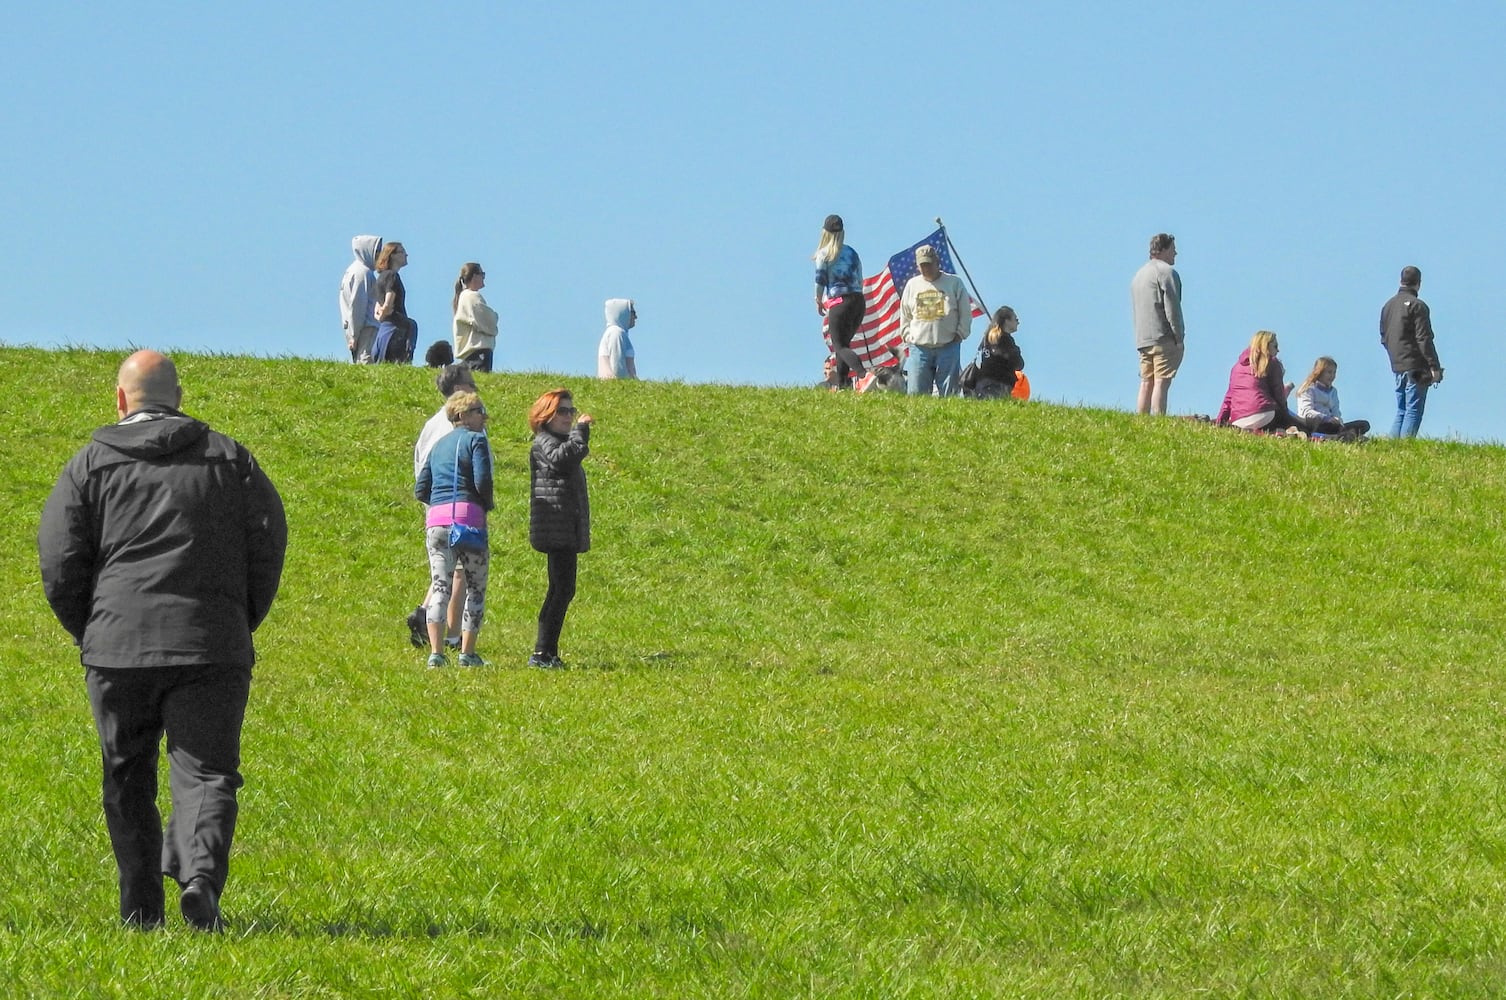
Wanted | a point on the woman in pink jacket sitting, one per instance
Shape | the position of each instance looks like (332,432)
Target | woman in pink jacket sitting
(1256,399)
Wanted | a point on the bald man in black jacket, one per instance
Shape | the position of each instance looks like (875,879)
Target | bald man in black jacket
(161,550)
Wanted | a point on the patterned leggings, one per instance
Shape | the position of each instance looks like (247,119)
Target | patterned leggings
(442,562)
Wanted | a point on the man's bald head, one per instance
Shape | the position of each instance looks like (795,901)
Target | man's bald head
(147,378)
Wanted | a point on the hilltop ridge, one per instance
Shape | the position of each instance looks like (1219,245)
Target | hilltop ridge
(894,696)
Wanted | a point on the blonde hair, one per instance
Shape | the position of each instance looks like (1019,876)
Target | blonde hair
(828,248)
(459,402)
(1262,346)
(1319,367)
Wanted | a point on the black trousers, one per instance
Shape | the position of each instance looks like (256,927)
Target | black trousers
(562,566)
(1328,425)
(478,360)
(842,322)
(201,709)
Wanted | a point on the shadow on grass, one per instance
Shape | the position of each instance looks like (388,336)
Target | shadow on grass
(377,927)
(661,659)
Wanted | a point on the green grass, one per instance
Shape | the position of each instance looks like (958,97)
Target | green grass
(874,697)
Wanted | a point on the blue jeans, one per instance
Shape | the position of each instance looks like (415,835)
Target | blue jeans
(926,367)
(1411,398)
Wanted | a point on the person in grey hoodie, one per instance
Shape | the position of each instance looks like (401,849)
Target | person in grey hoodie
(357,301)
(615,357)
(161,548)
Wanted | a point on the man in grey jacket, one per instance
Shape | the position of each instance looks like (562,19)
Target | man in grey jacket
(161,549)
(1156,301)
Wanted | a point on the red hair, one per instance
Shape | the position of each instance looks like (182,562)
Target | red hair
(545,407)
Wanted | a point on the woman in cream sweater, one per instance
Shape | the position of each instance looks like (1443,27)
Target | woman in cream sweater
(475,321)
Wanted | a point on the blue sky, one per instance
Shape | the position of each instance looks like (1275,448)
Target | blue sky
(190,176)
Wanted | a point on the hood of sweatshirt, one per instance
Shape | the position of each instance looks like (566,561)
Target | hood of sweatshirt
(366,248)
(152,433)
(618,311)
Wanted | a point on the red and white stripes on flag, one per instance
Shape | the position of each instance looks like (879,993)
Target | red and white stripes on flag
(877,341)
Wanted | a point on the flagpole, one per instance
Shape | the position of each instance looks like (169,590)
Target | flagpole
(958,258)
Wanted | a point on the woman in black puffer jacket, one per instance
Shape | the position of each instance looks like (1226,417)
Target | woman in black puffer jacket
(559,512)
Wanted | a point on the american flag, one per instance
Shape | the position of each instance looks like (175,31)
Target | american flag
(879,332)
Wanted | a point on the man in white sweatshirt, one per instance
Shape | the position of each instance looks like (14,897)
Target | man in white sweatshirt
(615,357)
(935,317)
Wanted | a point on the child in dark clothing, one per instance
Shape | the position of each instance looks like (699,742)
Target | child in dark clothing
(999,357)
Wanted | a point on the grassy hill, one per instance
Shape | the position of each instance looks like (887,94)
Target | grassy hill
(873,696)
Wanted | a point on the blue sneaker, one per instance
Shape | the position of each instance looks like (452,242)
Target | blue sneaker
(471,660)
(546,662)
(438,660)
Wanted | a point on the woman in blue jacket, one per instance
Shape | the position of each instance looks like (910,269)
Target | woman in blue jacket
(839,293)
(456,483)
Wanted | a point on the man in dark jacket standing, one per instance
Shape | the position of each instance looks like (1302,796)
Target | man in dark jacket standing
(161,550)
(1406,328)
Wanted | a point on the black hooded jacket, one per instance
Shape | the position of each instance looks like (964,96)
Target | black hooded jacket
(1406,328)
(162,544)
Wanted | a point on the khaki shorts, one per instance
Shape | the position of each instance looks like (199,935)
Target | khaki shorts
(1161,360)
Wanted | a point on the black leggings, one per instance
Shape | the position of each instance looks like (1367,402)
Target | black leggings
(556,602)
(842,322)
(1328,425)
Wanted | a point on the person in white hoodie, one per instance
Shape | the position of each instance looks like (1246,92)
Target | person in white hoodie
(357,301)
(475,325)
(615,357)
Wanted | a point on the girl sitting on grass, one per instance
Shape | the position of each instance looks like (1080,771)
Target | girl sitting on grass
(999,357)
(559,513)
(1318,402)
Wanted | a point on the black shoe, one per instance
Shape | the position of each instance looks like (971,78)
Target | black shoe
(138,920)
(200,905)
(418,628)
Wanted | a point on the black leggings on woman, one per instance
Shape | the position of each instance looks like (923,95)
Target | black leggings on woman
(556,601)
(842,322)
